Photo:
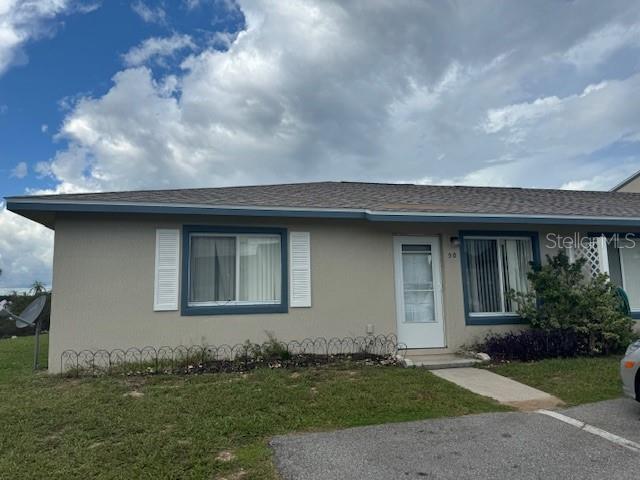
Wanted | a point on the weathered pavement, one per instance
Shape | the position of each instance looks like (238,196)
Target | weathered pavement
(488,446)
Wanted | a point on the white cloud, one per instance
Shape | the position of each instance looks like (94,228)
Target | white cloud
(149,14)
(25,20)
(315,90)
(44,128)
(26,251)
(191,4)
(20,170)
(603,180)
(597,46)
(529,113)
(565,131)
(228,5)
(157,48)
(384,91)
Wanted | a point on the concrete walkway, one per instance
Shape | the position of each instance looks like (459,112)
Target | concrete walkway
(502,389)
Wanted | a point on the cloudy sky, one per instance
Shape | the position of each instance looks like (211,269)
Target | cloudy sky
(111,95)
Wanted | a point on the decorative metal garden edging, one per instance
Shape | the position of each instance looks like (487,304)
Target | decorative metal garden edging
(181,359)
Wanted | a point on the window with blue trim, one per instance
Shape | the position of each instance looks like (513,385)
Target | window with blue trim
(227,271)
(493,266)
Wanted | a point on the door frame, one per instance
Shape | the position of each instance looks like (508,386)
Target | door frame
(436,252)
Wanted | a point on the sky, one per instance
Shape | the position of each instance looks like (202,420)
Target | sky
(132,94)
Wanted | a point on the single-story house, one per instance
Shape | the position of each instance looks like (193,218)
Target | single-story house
(431,264)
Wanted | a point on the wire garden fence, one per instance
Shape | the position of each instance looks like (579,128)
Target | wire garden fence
(379,349)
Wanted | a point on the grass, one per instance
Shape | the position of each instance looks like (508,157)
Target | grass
(573,380)
(176,427)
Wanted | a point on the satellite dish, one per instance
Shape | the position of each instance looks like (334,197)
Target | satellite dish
(30,314)
(28,318)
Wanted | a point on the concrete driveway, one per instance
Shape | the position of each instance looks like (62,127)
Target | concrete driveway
(489,446)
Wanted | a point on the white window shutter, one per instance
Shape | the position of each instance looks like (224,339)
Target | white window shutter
(166,273)
(300,269)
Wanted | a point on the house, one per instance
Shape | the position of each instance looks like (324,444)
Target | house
(431,264)
(630,185)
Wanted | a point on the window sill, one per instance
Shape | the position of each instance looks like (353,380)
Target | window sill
(497,319)
(237,309)
(231,303)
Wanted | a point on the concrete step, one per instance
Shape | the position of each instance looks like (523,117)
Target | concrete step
(438,361)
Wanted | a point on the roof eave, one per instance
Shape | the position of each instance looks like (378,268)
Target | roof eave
(28,207)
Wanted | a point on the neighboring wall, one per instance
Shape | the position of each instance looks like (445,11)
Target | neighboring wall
(104,272)
(632,185)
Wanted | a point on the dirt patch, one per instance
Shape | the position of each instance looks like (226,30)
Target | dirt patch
(532,405)
(134,394)
(52,438)
(237,475)
(135,383)
(68,383)
(225,456)
(168,428)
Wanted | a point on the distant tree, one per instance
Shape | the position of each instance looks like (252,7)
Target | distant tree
(37,288)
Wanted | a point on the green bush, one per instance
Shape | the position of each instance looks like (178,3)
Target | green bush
(562,298)
(272,349)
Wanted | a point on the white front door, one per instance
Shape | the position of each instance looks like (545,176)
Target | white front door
(418,292)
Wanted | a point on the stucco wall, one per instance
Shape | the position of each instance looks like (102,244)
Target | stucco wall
(633,186)
(104,271)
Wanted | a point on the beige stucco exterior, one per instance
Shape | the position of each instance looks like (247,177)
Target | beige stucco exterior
(103,285)
(631,186)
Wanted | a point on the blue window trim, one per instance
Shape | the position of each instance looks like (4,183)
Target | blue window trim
(186,310)
(498,319)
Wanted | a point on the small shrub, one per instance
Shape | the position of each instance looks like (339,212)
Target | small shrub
(273,349)
(562,299)
(534,344)
(569,315)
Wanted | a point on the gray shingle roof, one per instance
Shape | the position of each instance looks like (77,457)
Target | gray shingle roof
(382,197)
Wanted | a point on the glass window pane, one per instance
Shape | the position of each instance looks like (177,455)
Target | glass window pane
(630,258)
(212,269)
(417,278)
(483,276)
(516,257)
(416,248)
(417,273)
(615,270)
(260,269)
(419,307)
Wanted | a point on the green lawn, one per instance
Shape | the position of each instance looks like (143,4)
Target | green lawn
(59,428)
(573,380)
